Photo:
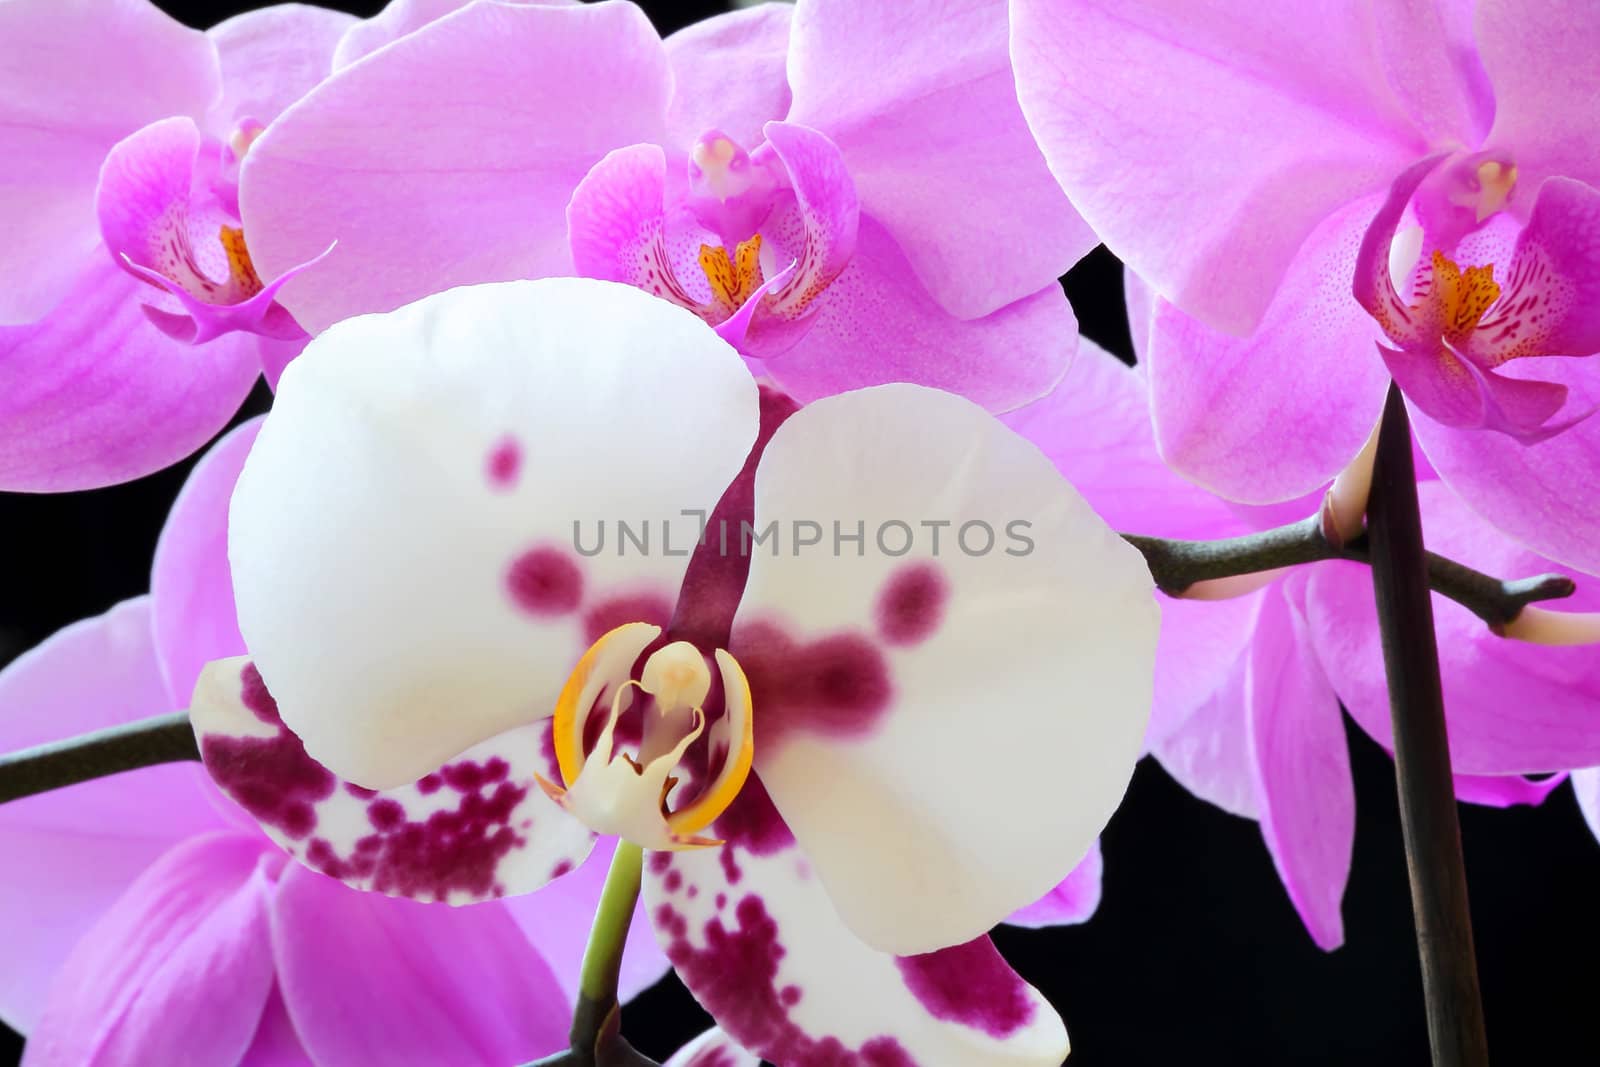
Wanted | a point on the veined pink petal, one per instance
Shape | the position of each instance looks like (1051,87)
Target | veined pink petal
(1279,413)
(399,18)
(433,169)
(177,971)
(921,100)
(1208,753)
(87,843)
(371,980)
(1542,493)
(77,76)
(1301,767)
(728,73)
(275,1043)
(556,920)
(191,587)
(714,1048)
(1546,85)
(877,324)
(1073,901)
(751,932)
(1239,130)
(93,394)
(1512,707)
(863,663)
(272,57)
(477,829)
(1431,61)
(1454,393)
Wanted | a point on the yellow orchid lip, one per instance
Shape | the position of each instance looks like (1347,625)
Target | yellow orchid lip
(626,793)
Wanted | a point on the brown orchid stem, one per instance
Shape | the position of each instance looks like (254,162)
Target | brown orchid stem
(161,739)
(1178,565)
(1422,752)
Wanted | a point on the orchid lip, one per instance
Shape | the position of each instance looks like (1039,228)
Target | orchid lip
(628,793)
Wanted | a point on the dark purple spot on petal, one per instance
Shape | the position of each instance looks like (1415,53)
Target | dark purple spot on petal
(545,582)
(505,463)
(912,604)
(360,792)
(673,881)
(837,685)
(734,975)
(429,784)
(385,814)
(969,984)
(270,777)
(564,867)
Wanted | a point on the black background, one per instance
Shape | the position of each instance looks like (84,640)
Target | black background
(1196,955)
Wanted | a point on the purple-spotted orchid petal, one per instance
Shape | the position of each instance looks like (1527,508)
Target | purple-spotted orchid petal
(476,829)
(1452,328)
(866,665)
(714,1048)
(752,933)
(162,219)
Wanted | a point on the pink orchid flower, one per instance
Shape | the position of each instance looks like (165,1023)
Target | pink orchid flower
(124,246)
(847,191)
(152,922)
(1248,688)
(1261,160)
(848,766)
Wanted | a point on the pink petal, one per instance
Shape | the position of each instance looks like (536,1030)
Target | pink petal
(1279,413)
(1302,769)
(1543,493)
(1073,901)
(753,935)
(1238,130)
(399,18)
(433,169)
(1431,61)
(1546,85)
(923,105)
(272,57)
(372,980)
(77,78)
(93,394)
(478,829)
(877,324)
(1208,751)
(728,73)
(191,596)
(556,921)
(1454,393)
(1505,790)
(178,971)
(275,1043)
(87,843)
(1511,707)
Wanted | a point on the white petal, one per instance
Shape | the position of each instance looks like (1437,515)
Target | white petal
(947,730)
(751,932)
(405,535)
(477,830)
(713,1049)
